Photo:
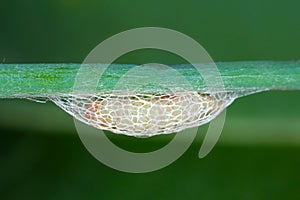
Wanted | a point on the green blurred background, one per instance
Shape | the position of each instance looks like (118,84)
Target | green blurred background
(258,155)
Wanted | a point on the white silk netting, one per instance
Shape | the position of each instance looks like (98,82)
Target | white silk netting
(144,114)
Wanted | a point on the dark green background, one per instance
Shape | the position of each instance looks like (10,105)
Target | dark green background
(258,155)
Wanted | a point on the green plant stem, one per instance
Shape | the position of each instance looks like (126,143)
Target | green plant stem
(42,80)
